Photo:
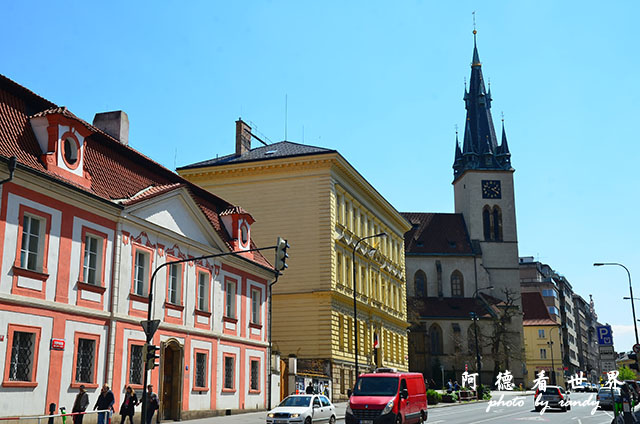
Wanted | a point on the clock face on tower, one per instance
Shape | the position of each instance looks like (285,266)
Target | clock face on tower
(491,189)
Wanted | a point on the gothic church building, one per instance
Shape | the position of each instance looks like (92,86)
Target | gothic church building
(462,267)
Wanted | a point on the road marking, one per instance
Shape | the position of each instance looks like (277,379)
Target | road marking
(500,417)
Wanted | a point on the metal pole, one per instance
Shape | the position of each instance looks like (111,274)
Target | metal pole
(355,304)
(476,320)
(478,363)
(633,308)
(270,347)
(151,284)
(553,368)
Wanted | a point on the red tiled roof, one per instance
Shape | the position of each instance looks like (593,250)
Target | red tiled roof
(534,307)
(437,233)
(234,210)
(118,172)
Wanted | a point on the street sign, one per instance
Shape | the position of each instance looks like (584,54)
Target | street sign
(607,353)
(605,336)
(636,348)
(608,366)
(150,327)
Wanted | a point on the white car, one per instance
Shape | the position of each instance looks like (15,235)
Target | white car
(303,409)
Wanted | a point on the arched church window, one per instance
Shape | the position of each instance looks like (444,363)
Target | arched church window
(486,223)
(457,284)
(497,224)
(420,286)
(435,339)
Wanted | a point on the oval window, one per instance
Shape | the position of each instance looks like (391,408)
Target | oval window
(70,151)
(244,234)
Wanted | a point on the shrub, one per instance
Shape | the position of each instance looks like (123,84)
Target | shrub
(433,397)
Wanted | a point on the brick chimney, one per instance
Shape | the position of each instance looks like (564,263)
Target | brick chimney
(116,124)
(243,137)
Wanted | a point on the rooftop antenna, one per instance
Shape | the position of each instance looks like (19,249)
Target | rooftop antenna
(285,116)
(175,158)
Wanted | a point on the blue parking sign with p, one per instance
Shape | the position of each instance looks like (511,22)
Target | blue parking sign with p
(605,337)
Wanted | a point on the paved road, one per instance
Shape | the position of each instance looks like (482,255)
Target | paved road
(522,411)
(474,413)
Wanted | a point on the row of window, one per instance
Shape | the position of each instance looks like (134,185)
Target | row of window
(456,281)
(370,283)
(392,344)
(23,356)
(32,257)
(356,219)
(435,339)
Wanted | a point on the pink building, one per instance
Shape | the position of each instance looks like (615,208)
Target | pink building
(84,221)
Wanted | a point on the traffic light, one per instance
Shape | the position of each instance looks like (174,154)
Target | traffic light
(281,254)
(150,354)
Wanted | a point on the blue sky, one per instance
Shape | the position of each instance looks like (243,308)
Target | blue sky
(382,82)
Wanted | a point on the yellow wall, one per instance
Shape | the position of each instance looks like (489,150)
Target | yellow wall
(322,206)
(534,363)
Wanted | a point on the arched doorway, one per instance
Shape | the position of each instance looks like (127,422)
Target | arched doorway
(172,364)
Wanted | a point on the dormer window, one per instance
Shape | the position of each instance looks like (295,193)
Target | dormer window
(238,222)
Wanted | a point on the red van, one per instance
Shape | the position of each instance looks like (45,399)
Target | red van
(388,397)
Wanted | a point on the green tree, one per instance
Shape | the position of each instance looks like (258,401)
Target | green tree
(626,373)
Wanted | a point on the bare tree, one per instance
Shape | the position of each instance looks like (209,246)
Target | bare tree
(502,339)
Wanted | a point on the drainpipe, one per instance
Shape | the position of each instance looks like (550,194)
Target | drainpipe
(13,161)
(115,287)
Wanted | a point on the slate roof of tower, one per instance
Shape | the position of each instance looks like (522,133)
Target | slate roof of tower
(119,174)
(272,151)
(437,233)
(480,149)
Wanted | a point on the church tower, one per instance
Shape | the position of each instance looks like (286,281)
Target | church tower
(483,184)
(484,195)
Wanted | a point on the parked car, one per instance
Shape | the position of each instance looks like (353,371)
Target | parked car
(303,409)
(387,397)
(582,387)
(604,398)
(555,396)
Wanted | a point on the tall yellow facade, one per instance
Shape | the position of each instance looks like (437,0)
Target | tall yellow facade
(317,201)
(538,350)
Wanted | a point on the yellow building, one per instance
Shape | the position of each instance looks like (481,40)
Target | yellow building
(542,341)
(316,200)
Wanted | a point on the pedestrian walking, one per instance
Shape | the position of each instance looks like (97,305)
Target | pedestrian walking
(105,401)
(80,405)
(449,386)
(127,409)
(153,404)
(309,389)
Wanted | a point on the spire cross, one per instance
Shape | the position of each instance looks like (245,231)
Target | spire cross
(474,22)
(502,116)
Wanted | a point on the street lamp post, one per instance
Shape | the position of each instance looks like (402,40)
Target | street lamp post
(475,318)
(355,304)
(633,308)
(553,368)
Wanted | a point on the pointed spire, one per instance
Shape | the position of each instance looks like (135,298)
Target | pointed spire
(480,148)
(467,145)
(504,147)
(476,57)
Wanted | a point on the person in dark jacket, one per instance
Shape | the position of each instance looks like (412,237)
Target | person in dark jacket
(309,390)
(127,409)
(105,401)
(80,405)
(153,403)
